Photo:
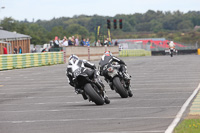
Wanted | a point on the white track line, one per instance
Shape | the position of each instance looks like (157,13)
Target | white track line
(153,131)
(94,119)
(182,110)
(64,92)
(90,109)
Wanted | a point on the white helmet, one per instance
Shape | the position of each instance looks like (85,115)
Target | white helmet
(73,58)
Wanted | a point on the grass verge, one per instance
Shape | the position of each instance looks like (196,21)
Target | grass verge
(188,126)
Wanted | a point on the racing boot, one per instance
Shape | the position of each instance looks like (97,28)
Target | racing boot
(78,91)
(84,96)
(110,83)
(106,100)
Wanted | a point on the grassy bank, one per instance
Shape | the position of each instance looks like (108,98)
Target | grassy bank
(188,126)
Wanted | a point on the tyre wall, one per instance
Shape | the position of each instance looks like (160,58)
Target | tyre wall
(14,61)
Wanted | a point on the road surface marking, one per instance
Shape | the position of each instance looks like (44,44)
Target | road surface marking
(95,119)
(149,131)
(97,108)
(182,110)
(164,93)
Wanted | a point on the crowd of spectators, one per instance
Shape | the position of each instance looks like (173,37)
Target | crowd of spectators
(58,43)
(15,50)
(72,41)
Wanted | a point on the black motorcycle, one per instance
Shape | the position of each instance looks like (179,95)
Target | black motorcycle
(118,81)
(90,88)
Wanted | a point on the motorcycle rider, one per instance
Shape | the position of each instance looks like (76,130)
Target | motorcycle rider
(172,47)
(108,58)
(73,64)
(171,44)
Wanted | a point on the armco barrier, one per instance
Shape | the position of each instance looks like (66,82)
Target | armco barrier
(180,52)
(12,61)
(134,52)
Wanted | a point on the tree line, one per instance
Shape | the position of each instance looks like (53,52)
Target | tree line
(177,26)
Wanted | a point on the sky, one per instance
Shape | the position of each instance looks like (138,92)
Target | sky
(48,9)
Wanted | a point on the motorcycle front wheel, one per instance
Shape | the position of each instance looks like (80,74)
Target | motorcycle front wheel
(120,88)
(94,96)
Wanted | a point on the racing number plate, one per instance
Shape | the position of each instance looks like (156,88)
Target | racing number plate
(77,72)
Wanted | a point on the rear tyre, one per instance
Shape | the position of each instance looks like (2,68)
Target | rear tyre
(89,90)
(120,88)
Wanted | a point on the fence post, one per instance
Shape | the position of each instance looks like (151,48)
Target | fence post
(105,48)
(89,53)
(64,56)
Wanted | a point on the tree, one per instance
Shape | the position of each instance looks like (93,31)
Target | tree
(77,29)
(9,24)
(187,24)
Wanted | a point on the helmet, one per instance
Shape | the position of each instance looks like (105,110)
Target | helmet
(108,53)
(73,58)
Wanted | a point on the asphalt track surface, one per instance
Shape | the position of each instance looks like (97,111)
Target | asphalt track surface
(40,100)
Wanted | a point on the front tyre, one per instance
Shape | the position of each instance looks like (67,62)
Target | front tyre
(171,53)
(120,88)
(89,90)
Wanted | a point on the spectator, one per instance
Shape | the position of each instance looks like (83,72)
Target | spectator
(109,43)
(5,50)
(105,42)
(70,42)
(116,43)
(65,41)
(20,50)
(82,42)
(34,49)
(76,41)
(98,43)
(44,50)
(88,42)
(15,50)
(73,40)
(56,42)
(59,42)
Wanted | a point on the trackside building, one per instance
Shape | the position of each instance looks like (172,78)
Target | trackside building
(12,39)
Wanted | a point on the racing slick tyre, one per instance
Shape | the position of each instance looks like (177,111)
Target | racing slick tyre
(94,96)
(120,88)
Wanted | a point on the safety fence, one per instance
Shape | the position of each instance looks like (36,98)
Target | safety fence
(13,61)
(134,52)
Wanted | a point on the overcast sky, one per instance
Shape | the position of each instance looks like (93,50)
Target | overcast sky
(48,9)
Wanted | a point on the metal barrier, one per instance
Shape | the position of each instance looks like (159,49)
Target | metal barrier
(13,61)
